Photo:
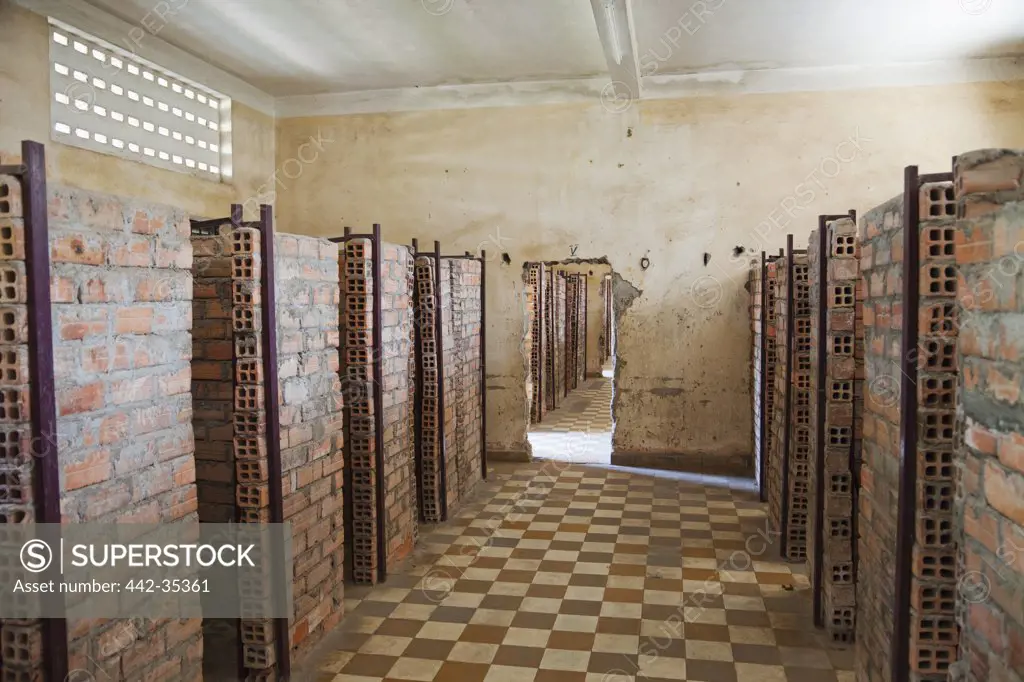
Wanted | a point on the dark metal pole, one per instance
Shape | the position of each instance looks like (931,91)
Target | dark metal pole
(417,304)
(42,392)
(273,408)
(346,468)
(442,448)
(787,405)
(378,397)
(762,464)
(819,455)
(908,428)
(483,362)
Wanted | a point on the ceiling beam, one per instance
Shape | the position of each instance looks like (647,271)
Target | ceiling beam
(615,27)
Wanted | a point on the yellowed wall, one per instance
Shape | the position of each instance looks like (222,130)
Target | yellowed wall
(25,114)
(695,176)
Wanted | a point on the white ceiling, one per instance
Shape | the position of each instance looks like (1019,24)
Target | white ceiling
(771,34)
(296,49)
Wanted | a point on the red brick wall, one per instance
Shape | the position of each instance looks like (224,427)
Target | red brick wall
(537,342)
(122,307)
(312,455)
(401,521)
(460,285)
(430,443)
(881,256)
(990,457)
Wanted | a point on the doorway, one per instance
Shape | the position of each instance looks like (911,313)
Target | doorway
(571,337)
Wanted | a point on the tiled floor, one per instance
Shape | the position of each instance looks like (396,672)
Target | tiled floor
(564,573)
(580,430)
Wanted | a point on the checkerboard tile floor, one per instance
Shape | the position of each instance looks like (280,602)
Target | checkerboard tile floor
(580,430)
(564,573)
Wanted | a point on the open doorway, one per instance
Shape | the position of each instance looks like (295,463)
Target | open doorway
(571,337)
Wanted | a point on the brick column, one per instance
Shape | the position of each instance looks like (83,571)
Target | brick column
(536,279)
(933,628)
(767,448)
(881,267)
(430,410)
(843,348)
(990,456)
(788,503)
(357,288)
(581,330)
(21,643)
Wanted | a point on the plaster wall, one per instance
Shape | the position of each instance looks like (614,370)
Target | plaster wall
(665,180)
(25,115)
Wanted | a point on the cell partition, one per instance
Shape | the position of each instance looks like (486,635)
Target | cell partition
(836,358)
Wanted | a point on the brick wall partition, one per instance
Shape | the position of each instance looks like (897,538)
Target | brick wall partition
(990,454)
(767,447)
(213,398)
(788,503)
(537,340)
(356,267)
(560,336)
(881,267)
(835,277)
(427,319)
(20,640)
(401,522)
(581,331)
(312,454)
(122,307)
(754,311)
(461,308)
(571,333)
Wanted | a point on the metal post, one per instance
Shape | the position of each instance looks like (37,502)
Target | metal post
(378,397)
(787,404)
(42,392)
(483,363)
(439,341)
(763,397)
(268,312)
(908,428)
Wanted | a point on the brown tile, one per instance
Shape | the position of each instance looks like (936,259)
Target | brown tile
(810,675)
(453,671)
(380,609)
(539,535)
(369,665)
(618,594)
(537,621)
(595,557)
(666,584)
(452,614)
(705,632)
(588,580)
(710,671)
(558,676)
(522,553)
(699,552)
(549,566)
(663,646)
(399,627)
(618,626)
(580,607)
(674,612)
(566,546)
(754,619)
(546,591)
(431,649)
(573,527)
(628,569)
(352,641)
(472,586)
(700,574)
(623,665)
(630,549)
(741,589)
(425,597)
(488,562)
(756,653)
(804,638)
(501,602)
(483,634)
(774,578)
(510,576)
(521,656)
(576,641)
(515,525)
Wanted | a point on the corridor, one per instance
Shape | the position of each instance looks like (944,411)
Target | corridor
(562,573)
(580,429)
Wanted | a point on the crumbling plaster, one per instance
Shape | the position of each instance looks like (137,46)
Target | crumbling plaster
(664,180)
